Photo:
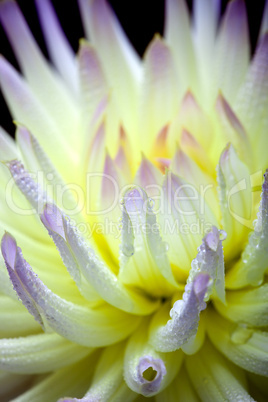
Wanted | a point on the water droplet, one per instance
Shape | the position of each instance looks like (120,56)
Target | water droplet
(222,235)
(128,250)
(165,246)
(241,334)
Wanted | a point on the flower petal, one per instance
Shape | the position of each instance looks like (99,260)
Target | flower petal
(88,327)
(101,278)
(13,260)
(235,200)
(8,148)
(184,166)
(49,90)
(264,24)
(147,266)
(72,380)
(15,319)
(145,370)
(243,345)
(119,60)
(215,378)
(183,219)
(251,267)
(108,374)
(232,50)
(232,130)
(39,353)
(178,37)
(53,221)
(181,387)
(248,307)
(59,48)
(184,315)
(159,98)
(252,103)
(26,107)
(30,189)
(204,33)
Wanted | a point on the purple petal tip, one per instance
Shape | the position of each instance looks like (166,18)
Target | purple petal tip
(52,219)
(152,383)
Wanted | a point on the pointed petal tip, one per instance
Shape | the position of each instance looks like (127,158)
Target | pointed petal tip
(52,219)
(134,200)
(9,249)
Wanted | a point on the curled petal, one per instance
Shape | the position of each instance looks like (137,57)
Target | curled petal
(184,317)
(145,370)
(14,262)
(85,326)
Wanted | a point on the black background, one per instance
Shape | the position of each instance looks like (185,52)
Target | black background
(139,22)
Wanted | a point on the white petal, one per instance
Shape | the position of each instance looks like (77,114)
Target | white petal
(232,50)
(245,346)
(46,86)
(215,378)
(178,37)
(59,48)
(39,353)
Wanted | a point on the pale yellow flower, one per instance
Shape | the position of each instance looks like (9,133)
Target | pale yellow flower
(134,212)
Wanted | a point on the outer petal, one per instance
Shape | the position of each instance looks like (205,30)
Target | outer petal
(244,346)
(120,62)
(26,107)
(232,50)
(252,103)
(49,89)
(215,378)
(85,326)
(72,380)
(8,148)
(160,97)
(59,48)
(178,37)
(39,353)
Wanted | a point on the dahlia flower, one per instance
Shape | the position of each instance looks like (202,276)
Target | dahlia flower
(134,210)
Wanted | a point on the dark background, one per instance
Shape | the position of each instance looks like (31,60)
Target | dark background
(139,23)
